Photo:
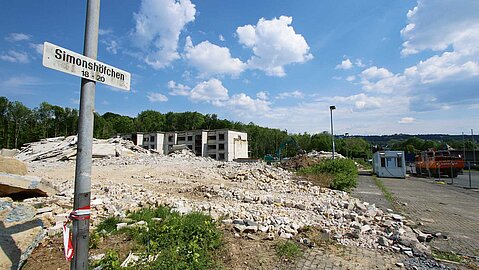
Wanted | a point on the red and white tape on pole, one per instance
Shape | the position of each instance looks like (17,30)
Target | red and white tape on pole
(81,213)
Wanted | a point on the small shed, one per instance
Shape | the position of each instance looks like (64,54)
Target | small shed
(389,164)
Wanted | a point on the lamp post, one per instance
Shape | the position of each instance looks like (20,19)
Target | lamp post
(346,143)
(473,147)
(331,108)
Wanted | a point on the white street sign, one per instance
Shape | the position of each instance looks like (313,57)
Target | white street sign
(56,57)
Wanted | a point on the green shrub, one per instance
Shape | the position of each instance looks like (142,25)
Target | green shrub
(178,241)
(343,172)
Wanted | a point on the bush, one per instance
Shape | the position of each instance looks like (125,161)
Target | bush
(343,172)
(177,241)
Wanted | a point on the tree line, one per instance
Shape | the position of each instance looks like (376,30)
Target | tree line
(20,124)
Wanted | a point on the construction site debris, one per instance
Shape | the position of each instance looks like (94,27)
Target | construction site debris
(8,152)
(254,197)
(61,148)
(307,159)
(21,187)
(20,233)
(12,165)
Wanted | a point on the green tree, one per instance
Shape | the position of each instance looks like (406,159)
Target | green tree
(150,121)
(18,115)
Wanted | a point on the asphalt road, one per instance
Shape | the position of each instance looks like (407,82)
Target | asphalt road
(462,180)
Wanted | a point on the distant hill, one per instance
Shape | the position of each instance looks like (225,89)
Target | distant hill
(385,139)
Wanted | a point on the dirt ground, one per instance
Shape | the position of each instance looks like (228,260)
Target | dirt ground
(237,253)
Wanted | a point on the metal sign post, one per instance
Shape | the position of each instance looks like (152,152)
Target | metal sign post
(81,202)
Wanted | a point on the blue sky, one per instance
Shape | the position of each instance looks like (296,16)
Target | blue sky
(398,66)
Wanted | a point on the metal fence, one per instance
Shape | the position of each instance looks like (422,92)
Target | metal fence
(467,178)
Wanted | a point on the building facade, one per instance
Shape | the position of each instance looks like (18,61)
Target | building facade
(221,144)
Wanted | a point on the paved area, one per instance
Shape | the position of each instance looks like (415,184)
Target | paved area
(368,191)
(443,208)
(345,257)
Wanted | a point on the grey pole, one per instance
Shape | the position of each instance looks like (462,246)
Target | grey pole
(331,108)
(473,146)
(85,140)
(470,182)
(463,148)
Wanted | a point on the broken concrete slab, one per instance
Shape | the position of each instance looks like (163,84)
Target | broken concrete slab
(20,233)
(8,152)
(19,186)
(12,165)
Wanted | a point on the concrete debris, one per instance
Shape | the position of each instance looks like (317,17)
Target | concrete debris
(252,198)
(20,233)
(8,152)
(12,165)
(20,187)
(61,148)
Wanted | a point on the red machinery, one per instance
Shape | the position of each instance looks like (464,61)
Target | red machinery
(435,163)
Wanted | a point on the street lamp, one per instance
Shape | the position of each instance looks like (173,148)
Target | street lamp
(331,108)
(346,143)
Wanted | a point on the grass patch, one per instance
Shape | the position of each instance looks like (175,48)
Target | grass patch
(387,194)
(172,242)
(108,225)
(288,250)
(343,173)
(448,256)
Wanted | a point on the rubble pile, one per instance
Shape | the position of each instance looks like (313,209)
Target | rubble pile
(307,159)
(258,200)
(61,148)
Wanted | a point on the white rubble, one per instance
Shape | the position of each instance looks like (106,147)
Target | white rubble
(254,197)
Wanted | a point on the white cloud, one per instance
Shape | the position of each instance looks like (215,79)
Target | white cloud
(359,63)
(262,95)
(178,89)
(221,37)
(242,103)
(156,97)
(75,101)
(209,91)
(428,27)
(158,25)
(112,46)
(103,32)
(345,64)
(21,84)
(292,94)
(17,37)
(441,81)
(351,78)
(361,101)
(211,59)
(15,57)
(37,47)
(375,73)
(406,120)
(274,44)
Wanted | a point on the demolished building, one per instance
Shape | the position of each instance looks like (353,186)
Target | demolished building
(220,144)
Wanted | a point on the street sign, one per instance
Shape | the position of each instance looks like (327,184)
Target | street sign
(58,58)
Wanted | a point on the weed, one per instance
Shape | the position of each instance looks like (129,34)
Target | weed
(387,194)
(111,261)
(178,241)
(95,239)
(108,225)
(448,256)
(288,250)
